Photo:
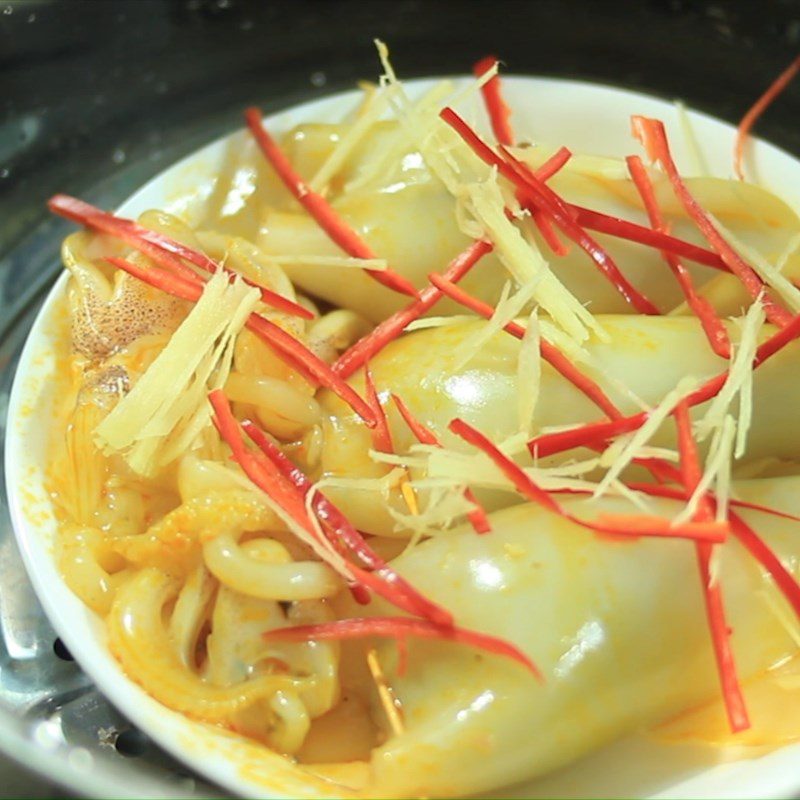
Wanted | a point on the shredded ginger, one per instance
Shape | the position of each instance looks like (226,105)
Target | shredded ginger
(739,381)
(508,307)
(446,156)
(634,444)
(351,140)
(768,273)
(717,471)
(168,408)
(526,264)
(529,374)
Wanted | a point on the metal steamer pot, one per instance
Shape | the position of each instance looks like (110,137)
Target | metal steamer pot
(96,97)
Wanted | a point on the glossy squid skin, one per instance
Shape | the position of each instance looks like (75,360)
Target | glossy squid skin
(408,217)
(411,246)
(648,354)
(618,628)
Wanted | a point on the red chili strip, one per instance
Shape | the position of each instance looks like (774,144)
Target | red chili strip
(123,229)
(284,490)
(499,114)
(381,435)
(618,524)
(605,223)
(478,146)
(335,227)
(400,628)
(388,330)
(625,229)
(757,109)
(551,354)
(270,482)
(385,581)
(720,632)
(648,525)
(175,285)
(290,350)
(163,250)
(549,236)
(660,469)
(547,169)
(712,386)
(756,546)
(328,514)
(690,470)
(592,434)
(498,110)
(715,330)
(477,517)
(325,510)
(731,690)
(653,136)
(541,196)
(82,212)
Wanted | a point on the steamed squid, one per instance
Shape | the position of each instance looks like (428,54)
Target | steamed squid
(240,491)
(623,647)
(643,359)
(387,214)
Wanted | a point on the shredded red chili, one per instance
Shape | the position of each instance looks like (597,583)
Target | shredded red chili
(757,109)
(653,136)
(499,112)
(388,330)
(401,628)
(712,325)
(161,249)
(477,517)
(386,582)
(289,349)
(720,631)
(319,208)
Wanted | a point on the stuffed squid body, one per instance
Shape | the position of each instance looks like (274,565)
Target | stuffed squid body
(650,355)
(408,217)
(618,628)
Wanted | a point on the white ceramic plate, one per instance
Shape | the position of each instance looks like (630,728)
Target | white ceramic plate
(588,118)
